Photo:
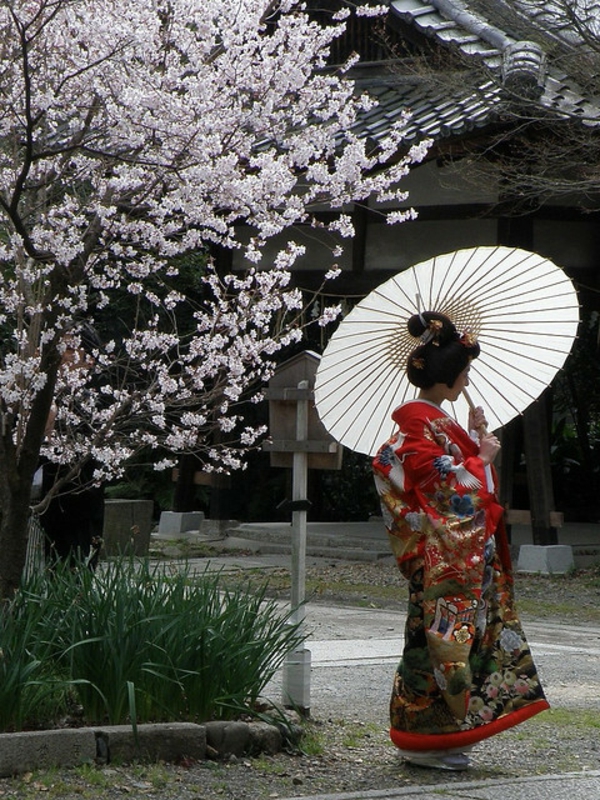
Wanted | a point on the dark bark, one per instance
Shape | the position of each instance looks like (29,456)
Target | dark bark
(14,518)
(18,464)
(582,420)
(508,457)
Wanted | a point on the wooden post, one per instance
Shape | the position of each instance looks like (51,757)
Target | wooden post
(299,442)
(296,669)
(299,514)
(539,475)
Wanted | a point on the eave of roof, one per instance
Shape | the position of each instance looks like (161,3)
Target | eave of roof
(462,27)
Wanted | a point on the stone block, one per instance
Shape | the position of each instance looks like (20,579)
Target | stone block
(553,559)
(296,680)
(127,527)
(228,738)
(32,750)
(264,738)
(174,522)
(160,742)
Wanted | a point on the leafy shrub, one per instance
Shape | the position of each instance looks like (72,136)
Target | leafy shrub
(140,643)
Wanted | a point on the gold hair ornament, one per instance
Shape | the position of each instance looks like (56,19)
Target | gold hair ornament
(432,334)
(468,339)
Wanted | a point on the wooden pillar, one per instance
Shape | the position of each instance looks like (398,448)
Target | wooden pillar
(539,475)
(506,465)
(518,232)
(185,490)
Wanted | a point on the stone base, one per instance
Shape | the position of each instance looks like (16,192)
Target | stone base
(174,522)
(555,559)
(296,681)
(166,742)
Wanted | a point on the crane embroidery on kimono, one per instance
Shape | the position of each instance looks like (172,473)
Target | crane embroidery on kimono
(446,465)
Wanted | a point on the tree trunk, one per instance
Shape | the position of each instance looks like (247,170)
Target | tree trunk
(581,416)
(14,519)
(17,467)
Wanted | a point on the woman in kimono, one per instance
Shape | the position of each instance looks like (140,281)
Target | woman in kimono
(466,671)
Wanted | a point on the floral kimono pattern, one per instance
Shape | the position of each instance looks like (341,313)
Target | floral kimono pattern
(466,671)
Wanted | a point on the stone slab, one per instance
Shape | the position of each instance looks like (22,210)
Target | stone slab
(160,742)
(228,737)
(553,559)
(25,751)
(127,527)
(572,786)
(174,522)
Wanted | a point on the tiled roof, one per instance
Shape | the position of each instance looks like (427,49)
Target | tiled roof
(435,113)
(519,42)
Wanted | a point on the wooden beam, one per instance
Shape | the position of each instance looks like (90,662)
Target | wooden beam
(519,516)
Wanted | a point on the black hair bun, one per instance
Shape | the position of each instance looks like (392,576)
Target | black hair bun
(441,354)
(416,325)
(441,327)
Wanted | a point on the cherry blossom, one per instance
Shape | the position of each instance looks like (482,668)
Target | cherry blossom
(135,135)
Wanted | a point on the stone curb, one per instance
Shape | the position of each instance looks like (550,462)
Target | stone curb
(25,751)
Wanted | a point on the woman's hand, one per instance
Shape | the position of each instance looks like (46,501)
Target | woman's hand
(477,420)
(489,444)
(489,447)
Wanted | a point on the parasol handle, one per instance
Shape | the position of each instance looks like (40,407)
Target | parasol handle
(482,430)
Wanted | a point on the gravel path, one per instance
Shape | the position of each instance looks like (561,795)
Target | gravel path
(346,745)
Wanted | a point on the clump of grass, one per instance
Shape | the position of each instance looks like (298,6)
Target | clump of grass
(356,732)
(313,741)
(33,689)
(267,766)
(139,643)
(575,718)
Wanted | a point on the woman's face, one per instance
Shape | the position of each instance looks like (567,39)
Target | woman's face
(459,384)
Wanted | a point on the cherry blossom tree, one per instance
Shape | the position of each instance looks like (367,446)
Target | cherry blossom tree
(132,134)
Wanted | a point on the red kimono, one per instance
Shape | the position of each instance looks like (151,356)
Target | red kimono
(466,671)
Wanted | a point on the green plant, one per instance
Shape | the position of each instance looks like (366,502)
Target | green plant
(356,732)
(138,643)
(313,741)
(32,689)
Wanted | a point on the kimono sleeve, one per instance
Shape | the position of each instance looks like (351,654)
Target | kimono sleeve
(443,472)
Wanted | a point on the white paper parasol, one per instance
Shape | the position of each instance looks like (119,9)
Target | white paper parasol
(522,307)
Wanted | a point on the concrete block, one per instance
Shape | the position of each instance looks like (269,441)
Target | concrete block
(296,680)
(127,527)
(170,742)
(264,738)
(546,559)
(174,522)
(160,742)
(228,738)
(32,750)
